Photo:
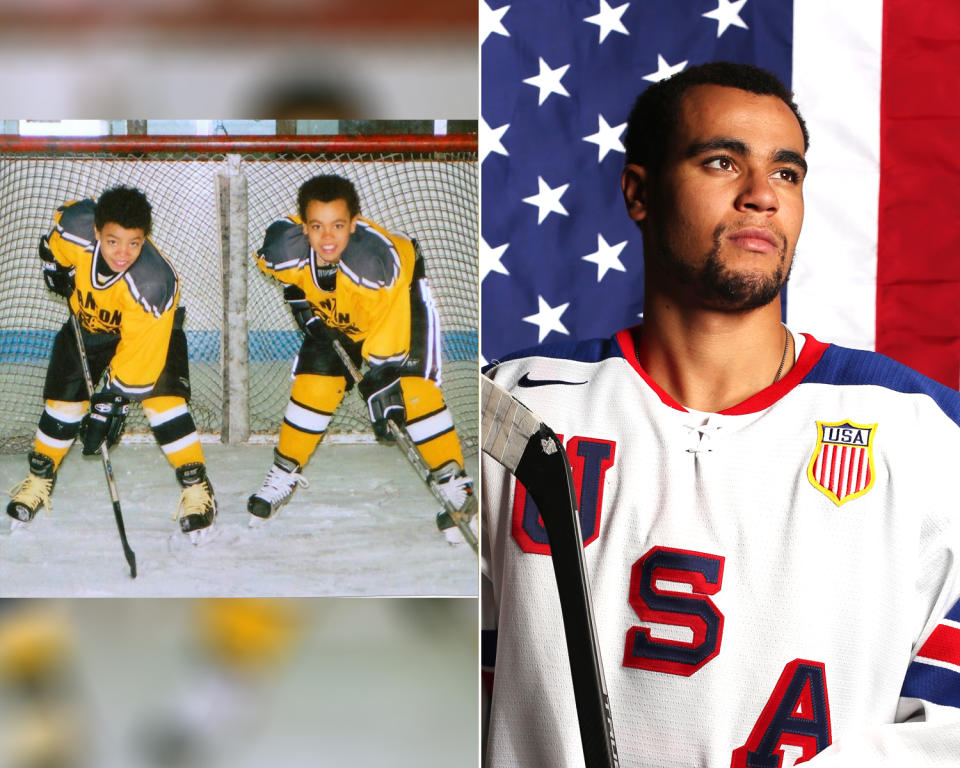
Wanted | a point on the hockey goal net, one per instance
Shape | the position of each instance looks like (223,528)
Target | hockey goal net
(212,199)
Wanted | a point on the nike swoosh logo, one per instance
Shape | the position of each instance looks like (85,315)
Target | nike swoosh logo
(526,381)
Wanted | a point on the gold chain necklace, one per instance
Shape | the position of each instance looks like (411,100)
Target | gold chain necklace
(783,360)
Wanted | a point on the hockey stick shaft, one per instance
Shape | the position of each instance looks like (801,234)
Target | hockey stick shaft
(104,454)
(516,438)
(409,449)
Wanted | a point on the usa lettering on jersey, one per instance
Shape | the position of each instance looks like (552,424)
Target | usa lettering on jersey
(842,464)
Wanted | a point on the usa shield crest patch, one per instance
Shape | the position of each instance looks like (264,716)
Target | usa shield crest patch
(842,464)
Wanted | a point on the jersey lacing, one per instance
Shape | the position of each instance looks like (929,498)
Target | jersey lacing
(701,436)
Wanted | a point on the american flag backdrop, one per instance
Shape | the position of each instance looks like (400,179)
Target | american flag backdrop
(878,82)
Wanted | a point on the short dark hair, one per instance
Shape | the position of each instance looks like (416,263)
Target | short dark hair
(126,206)
(653,119)
(326,189)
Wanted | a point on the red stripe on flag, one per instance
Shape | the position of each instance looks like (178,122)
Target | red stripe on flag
(857,485)
(843,481)
(918,272)
(855,470)
(830,473)
(943,645)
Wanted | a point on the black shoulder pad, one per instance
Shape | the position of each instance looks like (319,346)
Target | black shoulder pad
(76,221)
(284,245)
(370,259)
(152,280)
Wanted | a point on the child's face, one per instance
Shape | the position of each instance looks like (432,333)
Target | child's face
(328,227)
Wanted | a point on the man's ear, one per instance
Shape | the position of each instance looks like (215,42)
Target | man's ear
(633,182)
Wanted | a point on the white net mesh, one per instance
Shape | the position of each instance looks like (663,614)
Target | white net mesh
(424,195)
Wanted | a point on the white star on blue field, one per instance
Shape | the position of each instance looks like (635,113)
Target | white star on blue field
(560,259)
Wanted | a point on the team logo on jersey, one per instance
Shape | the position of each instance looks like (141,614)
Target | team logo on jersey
(842,464)
(334,319)
(95,318)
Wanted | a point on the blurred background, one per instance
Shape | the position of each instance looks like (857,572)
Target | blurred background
(286,59)
(240,682)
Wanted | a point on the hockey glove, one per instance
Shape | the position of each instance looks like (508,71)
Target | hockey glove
(309,323)
(381,389)
(108,411)
(58,278)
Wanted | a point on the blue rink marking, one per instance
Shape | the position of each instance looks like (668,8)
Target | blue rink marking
(32,347)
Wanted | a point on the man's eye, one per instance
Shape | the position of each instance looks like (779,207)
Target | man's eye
(788,174)
(720,163)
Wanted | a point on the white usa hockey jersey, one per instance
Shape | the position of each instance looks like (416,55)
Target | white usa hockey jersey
(775,583)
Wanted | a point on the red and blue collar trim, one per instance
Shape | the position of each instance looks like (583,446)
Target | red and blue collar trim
(809,356)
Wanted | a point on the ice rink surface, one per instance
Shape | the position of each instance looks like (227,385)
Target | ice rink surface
(365,526)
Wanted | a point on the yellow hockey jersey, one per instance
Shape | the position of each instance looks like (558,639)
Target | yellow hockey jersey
(137,304)
(370,301)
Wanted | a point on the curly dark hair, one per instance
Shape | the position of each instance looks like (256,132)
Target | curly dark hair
(126,206)
(326,189)
(656,111)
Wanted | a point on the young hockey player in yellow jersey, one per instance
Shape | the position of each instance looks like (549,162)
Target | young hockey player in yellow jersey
(351,281)
(124,293)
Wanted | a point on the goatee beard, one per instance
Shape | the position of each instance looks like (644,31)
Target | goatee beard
(723,288)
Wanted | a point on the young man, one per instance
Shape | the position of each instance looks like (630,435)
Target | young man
(349,281)
(774,558)
(124,293)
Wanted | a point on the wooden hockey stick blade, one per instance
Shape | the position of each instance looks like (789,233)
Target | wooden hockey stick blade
(519,440)
(128,553)
(409,449)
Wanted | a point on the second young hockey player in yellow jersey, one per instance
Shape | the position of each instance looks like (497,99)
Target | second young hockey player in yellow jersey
(350,281)
(125,294)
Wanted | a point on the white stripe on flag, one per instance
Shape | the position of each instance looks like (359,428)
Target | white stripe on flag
(864,466)
(835,469)
(836,79)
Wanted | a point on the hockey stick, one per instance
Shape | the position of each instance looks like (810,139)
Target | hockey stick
(409,448)
(516,438)
(107,466)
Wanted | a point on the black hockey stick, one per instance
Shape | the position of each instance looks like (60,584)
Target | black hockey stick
(515,437)
(409,448)
(107,466)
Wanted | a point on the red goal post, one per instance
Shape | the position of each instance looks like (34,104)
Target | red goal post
(212,198)
(459,143)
